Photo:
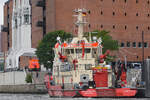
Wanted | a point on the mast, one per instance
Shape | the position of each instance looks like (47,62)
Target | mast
(80,21)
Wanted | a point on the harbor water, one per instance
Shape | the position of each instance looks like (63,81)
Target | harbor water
(46,97)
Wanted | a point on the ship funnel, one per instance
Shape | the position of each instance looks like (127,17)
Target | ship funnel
(81,13)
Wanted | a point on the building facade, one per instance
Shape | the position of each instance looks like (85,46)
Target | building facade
(125,19)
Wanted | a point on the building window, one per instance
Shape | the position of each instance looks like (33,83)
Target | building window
(148,2)
(113,26)
(137,1)
(145,45)
(113,0)
(137,14)
(125,14)
(148,28)
(89,12)
(122,44)
(147,15)
(137,27)
(26,19)
(101,12)
(139,44)
(89,25)
(128,44)
(101,26)
(134,44)
(125,1)
(8,44)
(113,13)
(125,27)
(16,23)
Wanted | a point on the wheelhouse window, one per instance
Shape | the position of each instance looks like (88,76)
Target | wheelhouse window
(87,50)
(72,51)
(78,50)
(88,66)
(67,51)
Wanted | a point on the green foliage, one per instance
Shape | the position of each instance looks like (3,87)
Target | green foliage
(1,66)
(28,78)
(107,41)
(45,48)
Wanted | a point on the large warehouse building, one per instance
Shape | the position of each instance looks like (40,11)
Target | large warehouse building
(125,19)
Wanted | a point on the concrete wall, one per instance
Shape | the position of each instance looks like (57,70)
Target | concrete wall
(28,88)
(12,78)
(14,82)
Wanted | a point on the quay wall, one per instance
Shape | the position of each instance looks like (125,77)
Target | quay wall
(12,78)
(26,88)
(14,82)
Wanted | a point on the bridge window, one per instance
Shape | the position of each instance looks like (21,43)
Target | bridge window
(78,50)
(67,51)
(72,51)
(88,66)
(87,50)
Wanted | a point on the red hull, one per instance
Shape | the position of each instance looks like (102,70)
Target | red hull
(57,91)
(93,93)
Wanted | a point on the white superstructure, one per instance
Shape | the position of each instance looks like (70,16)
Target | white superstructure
(21,33)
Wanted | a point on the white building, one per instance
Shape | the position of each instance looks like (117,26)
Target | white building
(21,33)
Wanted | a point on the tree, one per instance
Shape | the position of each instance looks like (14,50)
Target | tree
(107,42)
(45,48)
(28,78)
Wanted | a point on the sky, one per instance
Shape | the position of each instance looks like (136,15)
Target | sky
(1,10)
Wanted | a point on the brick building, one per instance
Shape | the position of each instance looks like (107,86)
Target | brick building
(125,19)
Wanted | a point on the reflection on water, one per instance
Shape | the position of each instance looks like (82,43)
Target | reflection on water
(46,97)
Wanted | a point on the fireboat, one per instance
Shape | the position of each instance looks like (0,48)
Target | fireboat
(79,68)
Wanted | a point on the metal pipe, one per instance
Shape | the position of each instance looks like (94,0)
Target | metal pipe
(143,67)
